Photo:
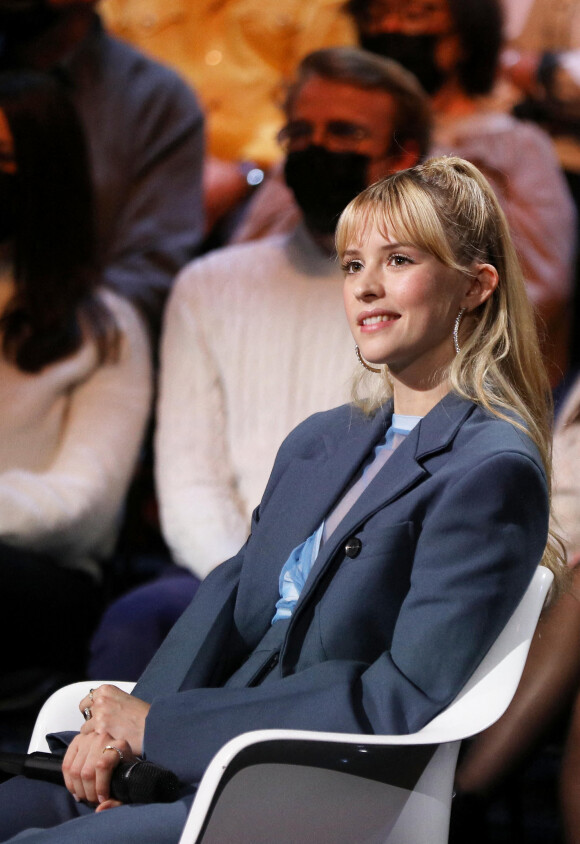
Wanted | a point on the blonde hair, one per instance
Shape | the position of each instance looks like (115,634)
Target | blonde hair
(447,208)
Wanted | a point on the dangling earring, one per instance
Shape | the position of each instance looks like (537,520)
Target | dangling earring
(364,363)
(458,319)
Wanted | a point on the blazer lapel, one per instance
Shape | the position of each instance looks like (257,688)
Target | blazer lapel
(406,465)
(312,485)
(307,491)
(403,470)
(320,483)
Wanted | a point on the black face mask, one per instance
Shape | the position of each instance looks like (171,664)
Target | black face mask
(7,205)
(24,20)
(324,183)
(415,52)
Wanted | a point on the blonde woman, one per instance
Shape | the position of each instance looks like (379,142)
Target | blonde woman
(392,542)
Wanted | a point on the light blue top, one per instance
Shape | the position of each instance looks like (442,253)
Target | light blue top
(298,565)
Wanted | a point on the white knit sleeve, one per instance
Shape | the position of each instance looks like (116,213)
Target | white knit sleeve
(72,508)
(202,517)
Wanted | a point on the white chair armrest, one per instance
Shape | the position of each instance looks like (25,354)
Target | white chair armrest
(61,711)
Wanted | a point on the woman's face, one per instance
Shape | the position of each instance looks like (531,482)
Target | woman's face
(401,304)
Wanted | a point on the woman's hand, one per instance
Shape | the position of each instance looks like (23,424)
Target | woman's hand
(113,733)
(88,767)
(116,714)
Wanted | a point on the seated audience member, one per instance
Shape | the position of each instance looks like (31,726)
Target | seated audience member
(247,50)
(242,365)
(144,129)
(541,64)
(550,684)
(453,47)
(419,481)
(74,387)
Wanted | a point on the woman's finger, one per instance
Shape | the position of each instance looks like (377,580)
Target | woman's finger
(73,765)
(86,705)
(108,804)
(112,754)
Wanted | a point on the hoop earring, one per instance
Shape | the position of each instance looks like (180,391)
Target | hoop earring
(458,319)
(364,363)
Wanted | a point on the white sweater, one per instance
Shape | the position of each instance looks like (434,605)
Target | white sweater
(69,439)
(255,340)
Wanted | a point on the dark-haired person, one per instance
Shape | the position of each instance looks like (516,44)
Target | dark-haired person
(74,386)
(453,47)
(144,129)
(542,61)
(541,80)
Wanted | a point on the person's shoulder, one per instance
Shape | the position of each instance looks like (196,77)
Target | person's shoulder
(231,264)
(335,423)
(501,134)
(127,317)
(124,62)
(263,248)
(532,137)
(487,434)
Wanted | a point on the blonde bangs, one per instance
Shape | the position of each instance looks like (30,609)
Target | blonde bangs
(400,210)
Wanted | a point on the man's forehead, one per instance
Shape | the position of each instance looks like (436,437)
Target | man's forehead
(333,99)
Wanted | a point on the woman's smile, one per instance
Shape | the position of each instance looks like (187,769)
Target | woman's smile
(376,320)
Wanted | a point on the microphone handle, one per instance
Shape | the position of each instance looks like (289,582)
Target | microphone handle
(43,766)
(131,782)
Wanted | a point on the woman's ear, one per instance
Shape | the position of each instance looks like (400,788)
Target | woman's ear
(484,279)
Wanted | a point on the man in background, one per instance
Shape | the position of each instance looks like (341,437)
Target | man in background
(237,54)
(144,129)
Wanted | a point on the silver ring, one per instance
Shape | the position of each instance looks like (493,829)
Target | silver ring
(91,695)
(87,714)
(116,749)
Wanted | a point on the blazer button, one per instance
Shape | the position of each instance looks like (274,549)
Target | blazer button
(353,547)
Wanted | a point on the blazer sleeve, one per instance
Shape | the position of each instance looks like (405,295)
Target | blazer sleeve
(478,547)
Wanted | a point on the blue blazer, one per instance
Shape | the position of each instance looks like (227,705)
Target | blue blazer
(450,530)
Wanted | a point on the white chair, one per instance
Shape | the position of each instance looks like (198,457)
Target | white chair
(297,786)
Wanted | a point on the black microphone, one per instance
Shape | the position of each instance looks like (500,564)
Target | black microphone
(131,782)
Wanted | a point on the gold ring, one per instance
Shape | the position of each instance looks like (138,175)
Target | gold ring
(87,714)
(116,749)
